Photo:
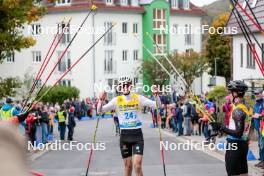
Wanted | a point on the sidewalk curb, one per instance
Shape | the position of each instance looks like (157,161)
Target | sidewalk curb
(35,154)
(220,155)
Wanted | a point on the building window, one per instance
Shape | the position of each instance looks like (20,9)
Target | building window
(109,38)
(63,2)
(135,80)
(159,18)
(124,28)
(174,4)
(161,41)
(135,55)
(65,82)
(10,57)
(241,54)
(188,35)
(36,56)
(38,83)
(35,29)
(67,36)
(186,4)
(65,62)
(135,28)
(110,82)
(109,2)
(250,58)
(134,2)
(124,55)
(252,3)
(189,52)
(108,61)
(124,2)
(175,28)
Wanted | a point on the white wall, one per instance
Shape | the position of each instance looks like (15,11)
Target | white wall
(239,72)
(200,85)
(177,41)
(123,42)
(82,75)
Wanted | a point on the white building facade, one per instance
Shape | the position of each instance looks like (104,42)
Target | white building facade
(118,53)
(244,64)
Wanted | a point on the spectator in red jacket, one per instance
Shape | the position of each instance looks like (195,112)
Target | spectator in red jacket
(227,109)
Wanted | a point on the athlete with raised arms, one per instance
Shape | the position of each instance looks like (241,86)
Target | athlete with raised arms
(127,107)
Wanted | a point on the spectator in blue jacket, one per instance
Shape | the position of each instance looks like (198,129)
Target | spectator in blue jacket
(179,118)
(257,111)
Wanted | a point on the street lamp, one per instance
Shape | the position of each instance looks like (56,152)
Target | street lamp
(217,58)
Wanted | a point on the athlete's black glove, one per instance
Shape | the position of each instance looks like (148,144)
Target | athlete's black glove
(22,117)
(217,126)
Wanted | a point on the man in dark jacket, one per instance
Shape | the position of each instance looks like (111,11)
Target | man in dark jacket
(71,123)
(179,118)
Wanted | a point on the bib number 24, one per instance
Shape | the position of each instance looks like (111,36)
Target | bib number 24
(130,115)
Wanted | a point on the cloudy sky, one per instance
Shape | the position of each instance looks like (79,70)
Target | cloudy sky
(202,2)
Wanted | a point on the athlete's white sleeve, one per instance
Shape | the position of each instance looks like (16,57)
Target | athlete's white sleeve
(109,106)
(149,103)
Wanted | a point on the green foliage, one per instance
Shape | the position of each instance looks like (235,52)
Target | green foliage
(13,15)
(214,9)
(152,71)
(218,46)
(218,93)
(189,65)
(59,94)
(8,87)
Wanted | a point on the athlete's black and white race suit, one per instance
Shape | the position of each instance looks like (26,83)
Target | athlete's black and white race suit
(237,140)
(127,108)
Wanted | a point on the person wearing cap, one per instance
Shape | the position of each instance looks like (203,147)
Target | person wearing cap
(6,111)
(257,111)
(71,123)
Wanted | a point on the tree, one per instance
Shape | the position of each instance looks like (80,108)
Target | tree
(59,94)
(218,46)
(13,15)
(217,93)
(26,84)
(8,87)
(190,65)
(153,72)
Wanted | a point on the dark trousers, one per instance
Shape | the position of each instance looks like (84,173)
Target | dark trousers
(50,130)
(173,123)
(180,128)
(70,132)
(62,131)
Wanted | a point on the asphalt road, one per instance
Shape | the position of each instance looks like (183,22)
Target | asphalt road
(109,162)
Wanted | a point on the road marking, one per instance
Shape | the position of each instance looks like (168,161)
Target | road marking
(99,173)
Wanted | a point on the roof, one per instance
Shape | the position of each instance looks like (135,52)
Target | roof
(258,11)
(81,5)
(194,10)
